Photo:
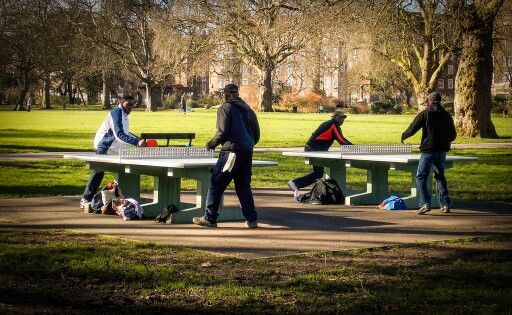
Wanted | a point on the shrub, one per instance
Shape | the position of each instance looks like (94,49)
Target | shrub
(310,102)
(11,95)
(385,108)
(193,103)
(171,101)
(210,100)
(359,108)
(501,104)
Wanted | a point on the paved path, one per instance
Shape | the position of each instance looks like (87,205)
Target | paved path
(58,155)
(285,227)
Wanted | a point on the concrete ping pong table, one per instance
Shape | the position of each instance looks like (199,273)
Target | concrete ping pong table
(377,167)
(167,172)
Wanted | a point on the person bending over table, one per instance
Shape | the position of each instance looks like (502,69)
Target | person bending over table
(438,131)
(112,135)
(321,140)
(238,131)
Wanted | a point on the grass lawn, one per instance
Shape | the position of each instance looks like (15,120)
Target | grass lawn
(58,130)
(60,272)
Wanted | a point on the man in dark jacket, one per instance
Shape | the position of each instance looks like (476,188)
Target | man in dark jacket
(321,140)
(238,132)
(438,131)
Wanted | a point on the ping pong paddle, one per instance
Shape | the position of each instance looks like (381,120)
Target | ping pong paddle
(152,143)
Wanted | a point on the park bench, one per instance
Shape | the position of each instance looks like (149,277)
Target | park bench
(170,136)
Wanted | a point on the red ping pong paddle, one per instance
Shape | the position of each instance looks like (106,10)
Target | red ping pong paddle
(152,143)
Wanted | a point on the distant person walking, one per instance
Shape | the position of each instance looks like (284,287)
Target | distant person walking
(183,103)
(438,131)
(238,132)
(112,135)
(29,102)
(321,140)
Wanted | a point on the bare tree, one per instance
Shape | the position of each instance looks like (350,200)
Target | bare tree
(20,35)
(183,42)
(264,33)
(418,37)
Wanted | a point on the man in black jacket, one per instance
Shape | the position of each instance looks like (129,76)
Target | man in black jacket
(438,131)
(238,131)
(321,140)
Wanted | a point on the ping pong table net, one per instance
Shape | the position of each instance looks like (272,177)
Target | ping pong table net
(165,153)
(377,149)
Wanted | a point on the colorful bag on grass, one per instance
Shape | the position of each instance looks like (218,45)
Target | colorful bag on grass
(393,203)
(129,209)
(102,200)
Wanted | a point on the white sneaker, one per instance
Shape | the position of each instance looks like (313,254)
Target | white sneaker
(83,202)
(292,185)
(424,209)
(296,192)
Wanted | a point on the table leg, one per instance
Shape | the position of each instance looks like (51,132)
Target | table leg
(377,188)
(130,184)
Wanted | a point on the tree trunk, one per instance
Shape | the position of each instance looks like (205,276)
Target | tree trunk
(105,100)
(266,97)
(46,91)
(25,84)
(473,84)
(150,100)
(69,88)
(421,97)
(342,90)
(317,70)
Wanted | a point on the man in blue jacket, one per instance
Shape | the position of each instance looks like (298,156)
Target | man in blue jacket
(238,132)
(112,135)
(321,140)
(438,131)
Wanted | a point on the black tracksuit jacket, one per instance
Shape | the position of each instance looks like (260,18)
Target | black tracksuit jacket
(237,127)
(324,136)
(438,129)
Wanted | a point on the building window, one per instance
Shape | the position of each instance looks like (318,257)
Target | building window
(245,70)
(450,69)
(245,82)
(440,84)
(450,84)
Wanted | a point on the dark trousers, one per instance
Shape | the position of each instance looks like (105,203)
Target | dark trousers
(317,173)
(94,182)
(241,174)
(427,161)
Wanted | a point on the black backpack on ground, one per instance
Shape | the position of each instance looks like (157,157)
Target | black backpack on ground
(325,191)
(164,216)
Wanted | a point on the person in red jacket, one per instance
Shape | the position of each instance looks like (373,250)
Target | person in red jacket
(321,140)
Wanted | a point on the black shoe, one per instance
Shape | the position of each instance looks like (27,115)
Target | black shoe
(252,224)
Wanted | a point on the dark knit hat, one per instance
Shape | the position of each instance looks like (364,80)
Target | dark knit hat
(231,88)
(434,98)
